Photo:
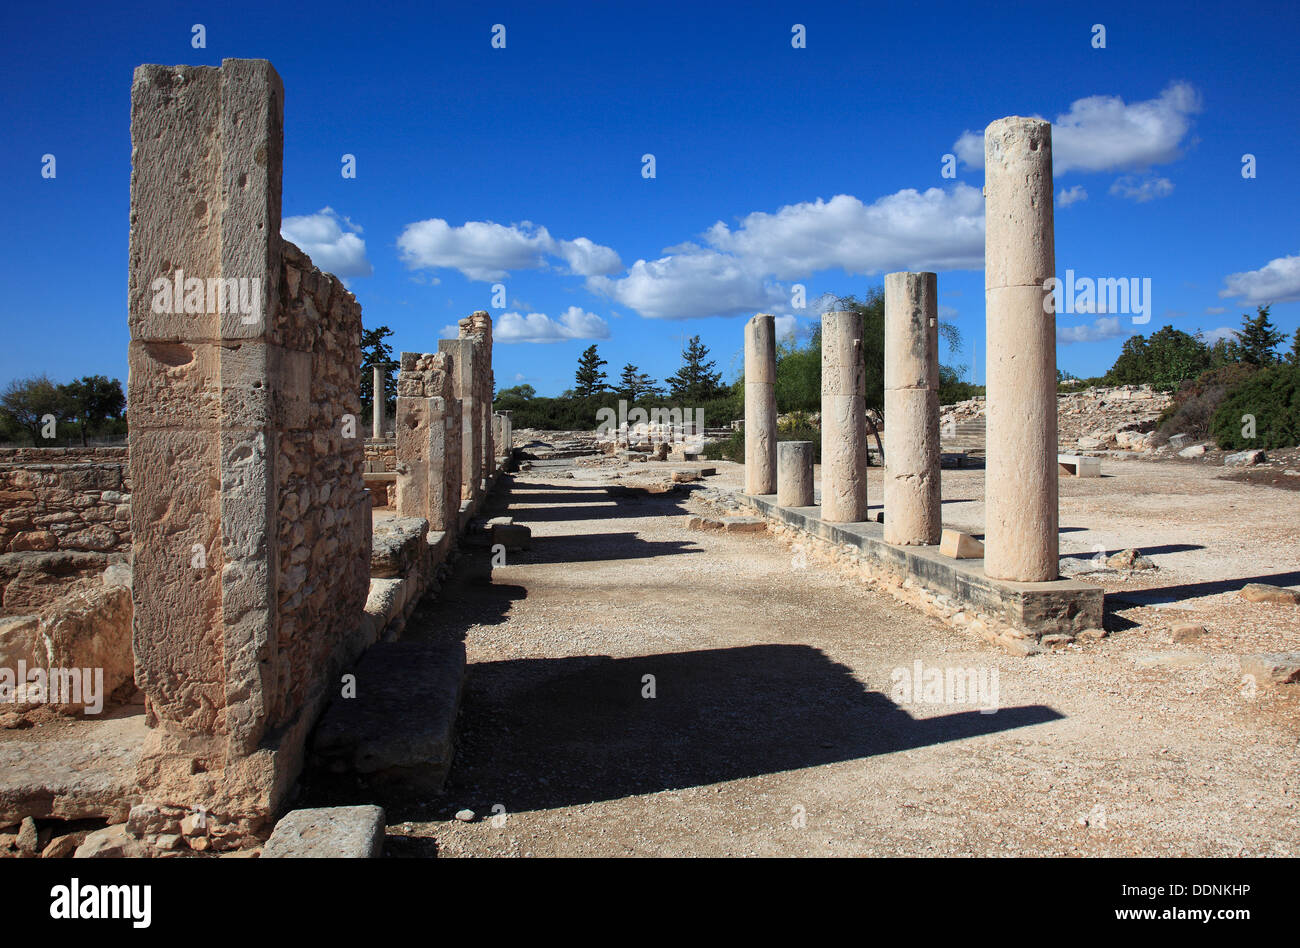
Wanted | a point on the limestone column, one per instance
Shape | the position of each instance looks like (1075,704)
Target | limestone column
(1021,504)
(794,474)
(381,403)
(912,501)
(760,405)
(844,420)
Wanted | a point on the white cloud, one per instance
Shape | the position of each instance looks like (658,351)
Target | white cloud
(1107,327)
(907,230)
(1142,189)
(449,332)
(331,241)
(573,323)
(1103,133)
(1074,195)
(1223,332)
(1278,281)
(484,250)
(699,283)
(787,327)
(736,272)
(1215,310)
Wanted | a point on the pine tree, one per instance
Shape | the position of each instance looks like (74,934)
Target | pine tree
(634,384)
(696,381)
(374,351)
(1258,338)
(589,380)
(1294,355)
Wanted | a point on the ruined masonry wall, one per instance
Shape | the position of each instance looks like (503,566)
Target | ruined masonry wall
(56,499)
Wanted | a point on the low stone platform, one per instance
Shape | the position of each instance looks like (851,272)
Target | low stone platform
(72,769)
(398,732)
(1065,605)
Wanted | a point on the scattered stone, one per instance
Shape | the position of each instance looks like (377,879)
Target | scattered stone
(12,720)
(1272,668)
(743,524)
(61,847)
(685,477)
(171,841)
(1093,635)
(1131,560)
(513,536)
(1245,458)
(111,843)
(1262,592)
(28,840)
(1056,640)
(200,844)
(465,816)
(1180,441)
(1188,632)
(349,832)
(1192,451)
(960,546)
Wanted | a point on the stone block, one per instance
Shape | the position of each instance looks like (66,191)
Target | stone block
(960,546)
(340,832)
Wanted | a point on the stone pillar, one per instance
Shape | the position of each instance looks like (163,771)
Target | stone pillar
(461,353)
(913,514)
(380,403)
(1021,504)
(760,405)
(844,420)
(794,474)
(248,511)
(428,441)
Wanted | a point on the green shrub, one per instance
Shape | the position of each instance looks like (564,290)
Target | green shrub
(1196,401)
(1272,396)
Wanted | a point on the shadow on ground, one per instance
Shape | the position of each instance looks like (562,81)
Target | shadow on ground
(544,733)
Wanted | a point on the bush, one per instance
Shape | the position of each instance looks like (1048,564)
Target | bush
(1272,396)
(1196,401)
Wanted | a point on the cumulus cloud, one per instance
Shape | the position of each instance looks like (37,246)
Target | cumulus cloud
(698,283)
(787,327)
(484,250)
(1142,189)
(908,230)
(1107,327)
(1278,281)
(1223,332)
(1103,133)
(735,270)
(573,323)
(332,242)
(1068,196)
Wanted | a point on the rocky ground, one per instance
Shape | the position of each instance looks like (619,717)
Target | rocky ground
(776,728)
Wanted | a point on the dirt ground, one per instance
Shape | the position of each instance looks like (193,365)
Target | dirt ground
(775,727)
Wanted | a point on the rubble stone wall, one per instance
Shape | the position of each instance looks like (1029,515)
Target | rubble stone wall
(250,529)
(58,499)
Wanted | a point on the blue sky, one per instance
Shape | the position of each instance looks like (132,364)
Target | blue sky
(774,166)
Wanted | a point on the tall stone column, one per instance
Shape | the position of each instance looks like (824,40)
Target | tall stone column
(381,403)
(462,354)
(249,520)
(912,488)
(428,441)
(760,405)
(1021,502)
(844,420)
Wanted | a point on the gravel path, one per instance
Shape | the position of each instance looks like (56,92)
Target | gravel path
(775,727)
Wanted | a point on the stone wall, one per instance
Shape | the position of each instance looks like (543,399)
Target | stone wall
(250,530)
(381,454)
(61,499)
